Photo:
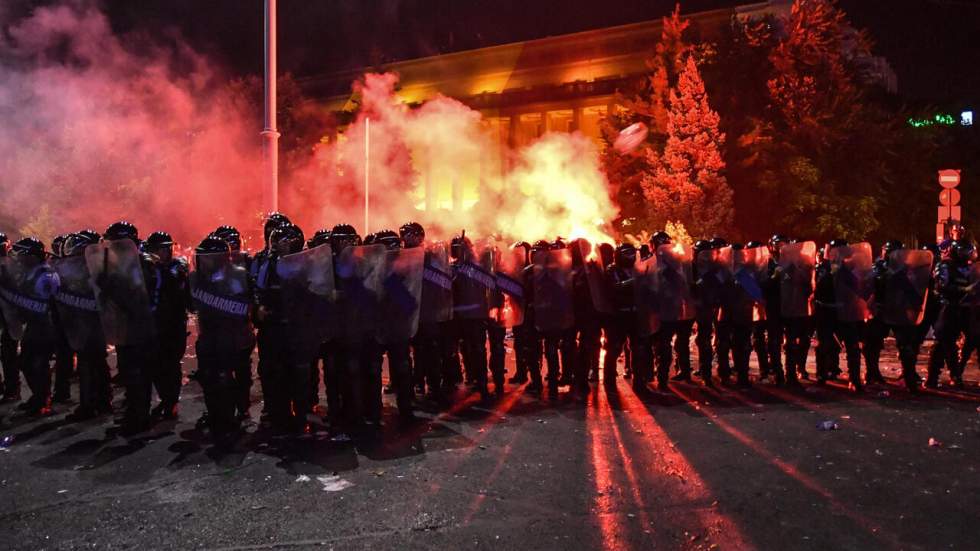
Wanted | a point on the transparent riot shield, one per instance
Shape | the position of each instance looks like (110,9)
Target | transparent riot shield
(360,274)
(552,280)
(972,301)
(120,290)
(401,300)
(308,298)
(78,311)
(222,293)
(645,289)
(437,285)
(906,286)
(473,283)
(675,299)
(797,261)
(595,276)
(853,280)
(751,271)
(509,270)
(220,287)
(17,306)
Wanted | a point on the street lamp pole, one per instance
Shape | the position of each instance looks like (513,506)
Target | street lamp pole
(270,136)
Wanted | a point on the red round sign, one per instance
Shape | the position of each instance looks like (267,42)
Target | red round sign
(949,197)
(949,178)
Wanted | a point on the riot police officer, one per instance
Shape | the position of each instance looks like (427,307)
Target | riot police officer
(709,294)
(831,329)
(64,363)
(31,290)
(10,387)
(622,324)
(136,359)
(952,285)
(259,267)
(775,325)
(94,389)
(471,310)
(172,298)
(223,301)
(286,374)
(876,328)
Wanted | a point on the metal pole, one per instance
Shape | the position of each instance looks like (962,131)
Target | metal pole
(270,136)
(367,173)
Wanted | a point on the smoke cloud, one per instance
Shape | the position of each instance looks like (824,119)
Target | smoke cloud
(445,166)
(95,130)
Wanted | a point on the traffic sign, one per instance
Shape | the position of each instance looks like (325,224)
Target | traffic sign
(949,197)
(949,178)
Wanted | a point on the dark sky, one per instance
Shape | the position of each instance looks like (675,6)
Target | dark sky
(933,45)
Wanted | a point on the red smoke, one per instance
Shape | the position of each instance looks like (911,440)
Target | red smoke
(92,133)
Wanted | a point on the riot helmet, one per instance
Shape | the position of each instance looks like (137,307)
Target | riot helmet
(287,239)
(122,230)
(625,255)
(389,239)
(413,234)
(77,242)
(231,236)
(29,247)
(320,237)
(343,236)
(660,238)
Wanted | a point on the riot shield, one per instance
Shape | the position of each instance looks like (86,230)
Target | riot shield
(853,281)
(594,275)
(401,300)
(906,286)
(220,287)
(645,289)
(552,280)
(360,274)
(972,300)
(508,274)
(675,266)
(797,261)
(14,303)
(437,285)
(473,283)
(78,311)
(751,271)
(308,298)
(120,291)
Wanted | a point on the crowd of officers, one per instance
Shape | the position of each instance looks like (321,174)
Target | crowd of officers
(239,303)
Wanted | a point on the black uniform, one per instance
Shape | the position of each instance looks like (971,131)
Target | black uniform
(951,277)
(171,298)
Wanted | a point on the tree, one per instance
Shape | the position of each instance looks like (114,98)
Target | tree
(688,185)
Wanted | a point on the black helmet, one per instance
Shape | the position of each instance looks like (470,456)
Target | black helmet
(660,238)
(459,244)
(320,237)
(370,239)
(389,239)
(273,221)
(412,233)
(158,240)
(213,244)
(289,234)
(891,245)
(962,250)
(57,245)
(834,243)
(559,243)
(29,246)
(606,253)
(76,242)
(231,236)
(753,244)
(737,246)
(4,244)
(718,242)
(540,245)
(121,230)
(625,255)
(702,245)
(343,236)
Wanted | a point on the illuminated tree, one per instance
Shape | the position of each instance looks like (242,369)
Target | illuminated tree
(688,184)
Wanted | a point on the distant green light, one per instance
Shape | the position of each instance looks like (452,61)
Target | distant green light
(944,119)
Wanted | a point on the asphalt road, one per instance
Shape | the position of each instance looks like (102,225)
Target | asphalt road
(692,469)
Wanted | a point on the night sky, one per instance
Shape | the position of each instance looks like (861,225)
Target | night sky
(933,45)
